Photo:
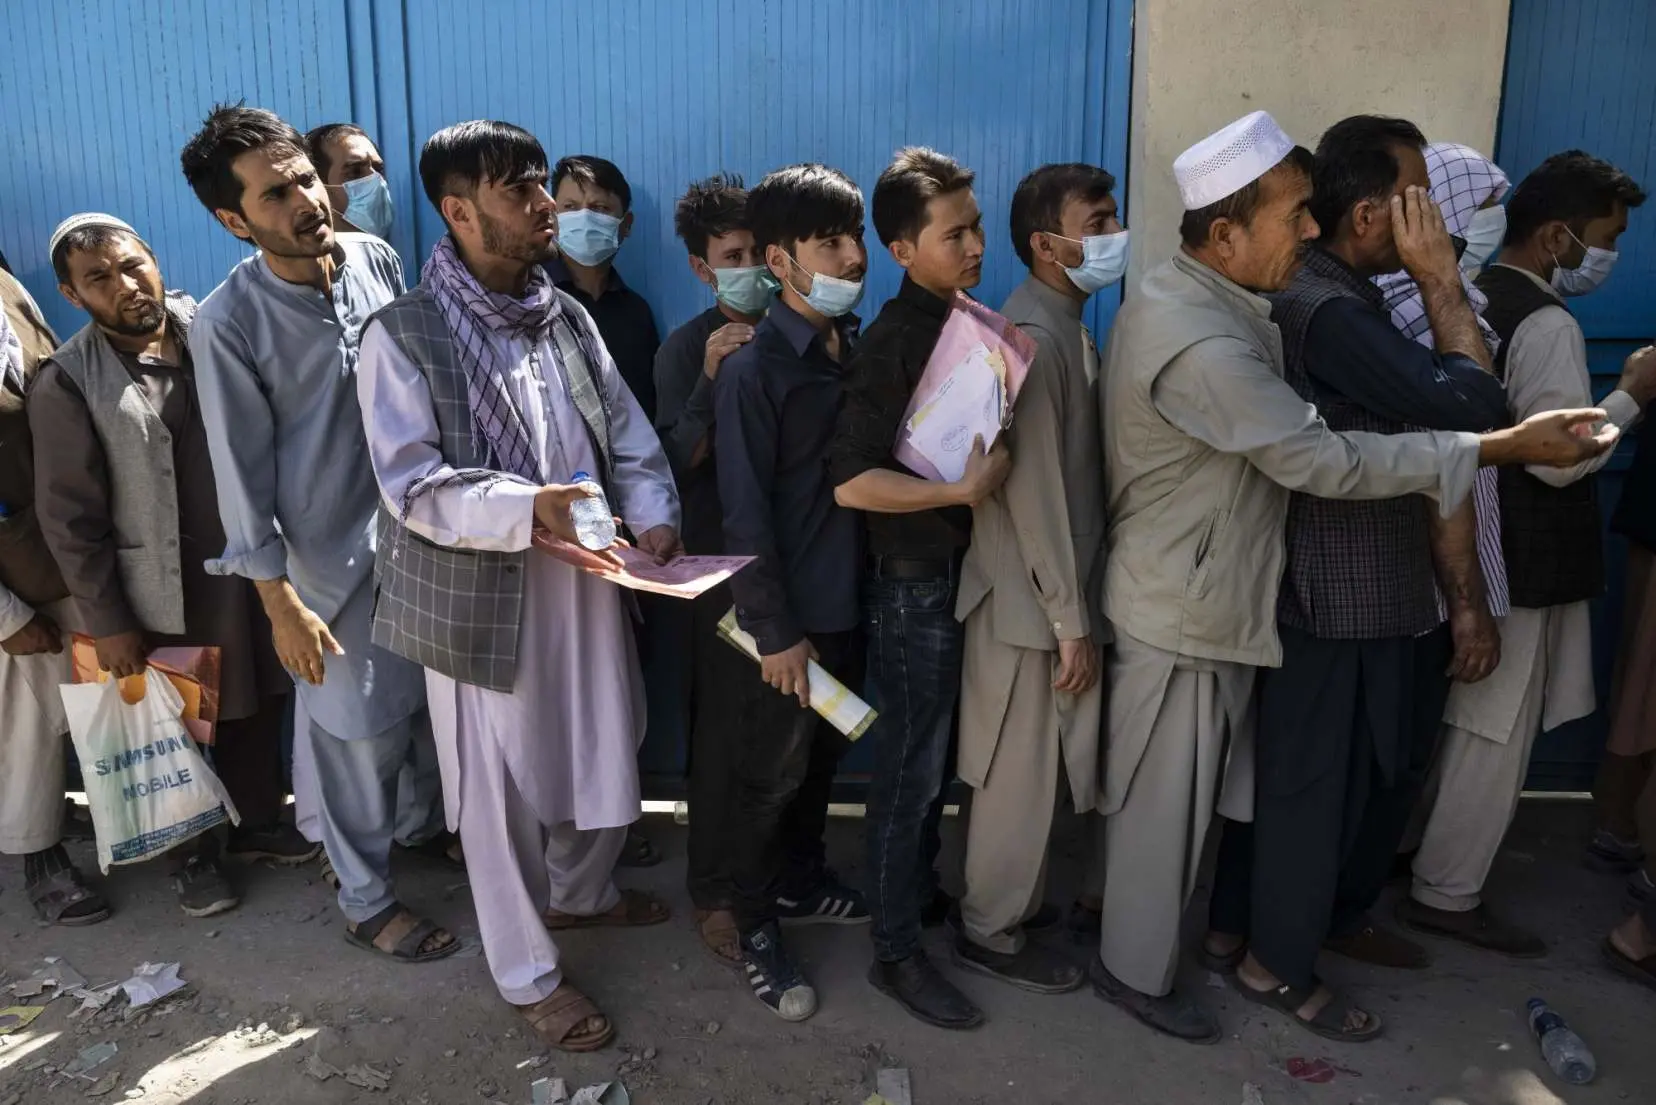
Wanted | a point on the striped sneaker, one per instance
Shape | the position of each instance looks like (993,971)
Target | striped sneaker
(772,975)
(833,903)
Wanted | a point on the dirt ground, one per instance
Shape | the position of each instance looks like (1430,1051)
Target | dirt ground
(274,985)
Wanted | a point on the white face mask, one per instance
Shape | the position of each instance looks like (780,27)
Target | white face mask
(1586,277)
(1103,261)
(1483,237)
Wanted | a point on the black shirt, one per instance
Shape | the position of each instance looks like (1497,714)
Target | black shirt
(684,418)
(879,382)
(626,325)
(775,402)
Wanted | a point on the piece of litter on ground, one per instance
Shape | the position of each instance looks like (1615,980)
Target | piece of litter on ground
(90,1059)
(18,1017)
(1310,1070)
(368,1078)
(59,974)
(549,1091)
(104,1085)
(28,988)
(649,1053)
(711,1028)
(1251,1094)
(892,1084)
(534,1062)
(1216,981)
(151,982)
(93,1000)
(450,1053)
(602,1093)
(318,1069)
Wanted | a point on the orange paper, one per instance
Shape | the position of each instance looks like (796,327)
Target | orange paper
(193,672)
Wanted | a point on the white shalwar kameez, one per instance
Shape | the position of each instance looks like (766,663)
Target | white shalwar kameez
(542,782)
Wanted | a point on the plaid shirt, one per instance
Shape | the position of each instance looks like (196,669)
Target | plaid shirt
(1356,569)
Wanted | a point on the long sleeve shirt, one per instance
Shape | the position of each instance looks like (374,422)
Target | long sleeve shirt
(684,419)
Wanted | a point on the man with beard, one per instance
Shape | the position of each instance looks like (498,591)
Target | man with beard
(126,502)
(486,392)
(275,350)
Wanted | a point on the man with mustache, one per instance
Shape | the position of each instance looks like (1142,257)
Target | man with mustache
(275,349)
(126,501)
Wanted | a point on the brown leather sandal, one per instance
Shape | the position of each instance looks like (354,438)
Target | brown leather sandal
(556,1017)
(636,908)
(720,936)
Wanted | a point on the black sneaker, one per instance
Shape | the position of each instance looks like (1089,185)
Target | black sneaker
(833,903)
(280,844)
(773,976)
(202,888)
(1034,968)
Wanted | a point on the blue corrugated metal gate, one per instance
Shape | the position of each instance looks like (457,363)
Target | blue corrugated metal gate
(1579,75)
(100,95)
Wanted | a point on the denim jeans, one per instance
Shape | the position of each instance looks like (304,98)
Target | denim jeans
(914,656)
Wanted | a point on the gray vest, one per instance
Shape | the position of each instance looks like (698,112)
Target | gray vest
(457,611)
(138,453)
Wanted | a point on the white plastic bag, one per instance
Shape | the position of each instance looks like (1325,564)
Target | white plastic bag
(148,786)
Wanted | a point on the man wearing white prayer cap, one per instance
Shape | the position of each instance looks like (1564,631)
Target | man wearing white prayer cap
(1203,442)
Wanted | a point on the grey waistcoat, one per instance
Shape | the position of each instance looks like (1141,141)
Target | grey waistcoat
(457,611)
(138,451)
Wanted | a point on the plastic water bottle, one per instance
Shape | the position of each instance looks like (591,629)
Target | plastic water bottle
(1564,1051)
(594,524)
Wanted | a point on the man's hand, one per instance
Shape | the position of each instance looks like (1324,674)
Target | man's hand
(552,515)
(40,635)
(1421,237)
(985,472)
(721,343)
(1556,439)
(1638,376)
(1077,666)
(1477,642)
(301,636)
(786,670)
(662,542)
(123,654)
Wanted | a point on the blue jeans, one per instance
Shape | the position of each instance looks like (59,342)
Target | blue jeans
(914,656)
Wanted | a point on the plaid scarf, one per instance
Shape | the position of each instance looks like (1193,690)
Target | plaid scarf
(499,431)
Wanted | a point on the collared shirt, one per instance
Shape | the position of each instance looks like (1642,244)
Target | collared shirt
(626,325)
(879,382)
(684,418)
(776,401)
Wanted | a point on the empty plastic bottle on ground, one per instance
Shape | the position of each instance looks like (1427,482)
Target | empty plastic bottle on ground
(594,523)
(1564,1051)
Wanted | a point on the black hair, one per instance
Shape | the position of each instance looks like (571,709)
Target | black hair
(804,201)
(914,178)
(1573,186)
(317,139)
(229,131)
(1242,205)
(593,172)
(1356,161)
(710,209)
(1038,204)
(457,159)
(88,238)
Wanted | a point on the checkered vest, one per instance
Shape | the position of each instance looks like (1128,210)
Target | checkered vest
(457,611)
(1356,569)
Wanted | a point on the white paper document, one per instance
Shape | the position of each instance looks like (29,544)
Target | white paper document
(970,404)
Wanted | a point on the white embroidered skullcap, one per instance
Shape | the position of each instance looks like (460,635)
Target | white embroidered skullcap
(81,222)
(1230,159)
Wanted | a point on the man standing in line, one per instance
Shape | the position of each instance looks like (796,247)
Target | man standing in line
(1203,441)
(711,220)
(1563,222)
(127,504)
(351,166)
(1031,703)
(275,349)
(484,390)
(775,401)
(927,217)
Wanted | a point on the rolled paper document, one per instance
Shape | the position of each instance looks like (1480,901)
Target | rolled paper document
(829,697)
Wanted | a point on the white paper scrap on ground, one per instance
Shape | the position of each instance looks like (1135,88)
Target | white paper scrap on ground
(151,982)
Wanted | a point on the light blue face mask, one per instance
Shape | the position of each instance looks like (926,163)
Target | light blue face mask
(588,237)
(1103,261)
(1484,233)
(747,290)
(368,204)
(830,296)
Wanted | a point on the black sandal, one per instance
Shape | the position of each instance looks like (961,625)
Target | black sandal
(63,890)
(1330,1021)
(398,933)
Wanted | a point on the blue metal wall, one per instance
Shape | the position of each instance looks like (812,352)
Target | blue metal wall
(99,95)
(1579,75)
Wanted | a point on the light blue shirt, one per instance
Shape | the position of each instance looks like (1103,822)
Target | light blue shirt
(276,368)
